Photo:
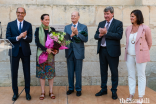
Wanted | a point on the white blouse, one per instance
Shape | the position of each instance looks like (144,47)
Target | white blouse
(131,47)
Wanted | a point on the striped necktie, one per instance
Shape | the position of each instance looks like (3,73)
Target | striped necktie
(103,38)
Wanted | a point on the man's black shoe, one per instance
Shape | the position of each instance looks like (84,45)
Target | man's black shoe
(100,93)
(114,95)
(78,93)
(15,96)
(69,92)
(28,97)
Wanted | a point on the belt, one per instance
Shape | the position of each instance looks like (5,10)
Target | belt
(103,46)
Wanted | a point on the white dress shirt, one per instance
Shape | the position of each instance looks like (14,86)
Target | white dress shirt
(75,24)
(18,25)
(131,47)
(104,45)
(75,27)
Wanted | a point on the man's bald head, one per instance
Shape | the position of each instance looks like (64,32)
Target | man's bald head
(75,17)
(21,13)
(76,12)
(20,8)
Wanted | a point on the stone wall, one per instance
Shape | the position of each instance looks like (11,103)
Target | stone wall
(91,12)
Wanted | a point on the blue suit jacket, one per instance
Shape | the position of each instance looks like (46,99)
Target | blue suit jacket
(78,48)
(12,32)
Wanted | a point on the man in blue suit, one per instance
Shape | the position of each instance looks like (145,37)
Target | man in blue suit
(75,53)
(19,32)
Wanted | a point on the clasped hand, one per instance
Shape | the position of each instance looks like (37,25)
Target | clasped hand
(102,31)
(74,31)
(22,35)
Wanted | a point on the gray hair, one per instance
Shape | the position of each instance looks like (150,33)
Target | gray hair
(109,8)
(20,7)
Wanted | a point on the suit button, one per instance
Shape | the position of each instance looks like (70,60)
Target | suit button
(140,49)
(141,37)
(140,43)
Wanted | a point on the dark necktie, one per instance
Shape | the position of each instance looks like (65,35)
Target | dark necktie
(103,38)
(20,30)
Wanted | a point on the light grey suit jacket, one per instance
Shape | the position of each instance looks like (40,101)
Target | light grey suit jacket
(78,48)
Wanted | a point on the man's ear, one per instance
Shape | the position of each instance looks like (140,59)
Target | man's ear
(78,17)
(113,14)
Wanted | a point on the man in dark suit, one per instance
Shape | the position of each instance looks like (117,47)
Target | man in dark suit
(19,32)
(75,53)
(109,34)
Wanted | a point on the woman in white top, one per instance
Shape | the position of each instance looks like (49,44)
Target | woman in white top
(138,44)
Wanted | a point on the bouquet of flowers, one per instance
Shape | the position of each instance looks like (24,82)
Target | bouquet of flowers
(55,41)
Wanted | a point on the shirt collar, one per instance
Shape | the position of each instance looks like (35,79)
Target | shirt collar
(19,22)
(110,21)
(75,24)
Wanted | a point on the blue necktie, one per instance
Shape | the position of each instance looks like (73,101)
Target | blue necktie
(72,38)
(20,30)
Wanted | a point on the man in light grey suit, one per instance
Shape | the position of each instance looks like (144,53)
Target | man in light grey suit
(75,53)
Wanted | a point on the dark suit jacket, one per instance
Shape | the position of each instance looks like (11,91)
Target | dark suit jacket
(113,37)
(12,32)
(78,48)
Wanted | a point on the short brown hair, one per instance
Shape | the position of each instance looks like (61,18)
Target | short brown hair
(139,16)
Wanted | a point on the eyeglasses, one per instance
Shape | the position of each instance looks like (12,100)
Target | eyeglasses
(20,13)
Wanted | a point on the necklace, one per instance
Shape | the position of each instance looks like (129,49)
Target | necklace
(133,42)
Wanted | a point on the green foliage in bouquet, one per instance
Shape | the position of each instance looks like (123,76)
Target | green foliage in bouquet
(59,37)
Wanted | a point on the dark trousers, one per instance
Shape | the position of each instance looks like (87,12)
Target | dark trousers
(105,60)
(74,65)
(26,70)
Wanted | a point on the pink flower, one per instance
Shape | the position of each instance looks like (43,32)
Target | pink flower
(55,38)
